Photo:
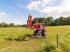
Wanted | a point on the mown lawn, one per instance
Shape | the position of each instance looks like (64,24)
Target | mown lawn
(34,44)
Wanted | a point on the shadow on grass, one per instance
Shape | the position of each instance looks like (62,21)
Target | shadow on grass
(9,39)
(19,38)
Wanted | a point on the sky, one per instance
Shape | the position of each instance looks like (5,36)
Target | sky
(17,11)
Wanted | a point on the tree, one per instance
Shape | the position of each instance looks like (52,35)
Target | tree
(0,25)
(49,20)
(4,24)
(41,20)
(11,25)
(68,20)
(60,20)
(35,20)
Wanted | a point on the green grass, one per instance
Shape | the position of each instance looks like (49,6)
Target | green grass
(32,44)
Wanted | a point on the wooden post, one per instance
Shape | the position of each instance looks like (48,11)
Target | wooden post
(57,40)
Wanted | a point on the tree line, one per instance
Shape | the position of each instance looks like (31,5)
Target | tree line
(3,24)
(49,21)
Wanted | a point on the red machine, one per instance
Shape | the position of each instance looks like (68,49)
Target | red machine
(29,22)
(36,26)
(39,30)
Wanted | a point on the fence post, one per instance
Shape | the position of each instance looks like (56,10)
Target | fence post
(57,40)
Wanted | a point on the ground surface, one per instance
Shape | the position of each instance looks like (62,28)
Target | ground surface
(8,44)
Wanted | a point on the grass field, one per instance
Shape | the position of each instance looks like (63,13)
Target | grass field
(8,44)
